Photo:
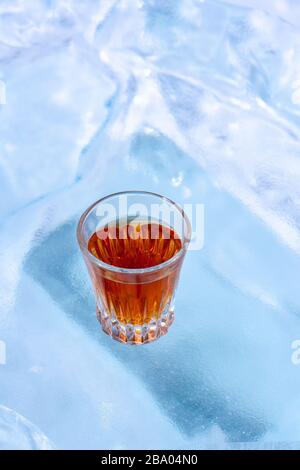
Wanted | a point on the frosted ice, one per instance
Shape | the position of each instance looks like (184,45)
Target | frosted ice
(198,100)
(17,433)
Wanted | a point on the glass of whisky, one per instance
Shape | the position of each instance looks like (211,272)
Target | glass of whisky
(133,244)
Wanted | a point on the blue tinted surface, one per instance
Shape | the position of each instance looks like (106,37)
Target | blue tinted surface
(197,100)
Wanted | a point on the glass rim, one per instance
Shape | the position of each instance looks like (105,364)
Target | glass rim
(119,269)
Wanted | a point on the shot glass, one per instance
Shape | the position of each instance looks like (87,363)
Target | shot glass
(133,244)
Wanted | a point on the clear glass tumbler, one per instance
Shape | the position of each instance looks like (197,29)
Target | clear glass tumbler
(133,244)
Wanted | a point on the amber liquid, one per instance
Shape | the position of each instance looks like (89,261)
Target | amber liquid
(136,299)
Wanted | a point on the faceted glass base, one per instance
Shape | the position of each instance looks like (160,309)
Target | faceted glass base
(136,334)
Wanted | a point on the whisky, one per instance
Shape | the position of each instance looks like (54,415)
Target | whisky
(133,298)
(134,262)
(137,245)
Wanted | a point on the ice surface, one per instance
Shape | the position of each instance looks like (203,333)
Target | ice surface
(16,433)
(198,100)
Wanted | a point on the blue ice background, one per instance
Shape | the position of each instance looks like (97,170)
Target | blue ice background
(198,100)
